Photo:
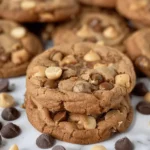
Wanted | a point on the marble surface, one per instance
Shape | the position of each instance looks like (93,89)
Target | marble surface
(138,133)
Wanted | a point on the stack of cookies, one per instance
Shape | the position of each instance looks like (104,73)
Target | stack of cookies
(79,93)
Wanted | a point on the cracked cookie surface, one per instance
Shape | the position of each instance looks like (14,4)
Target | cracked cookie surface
(80,128)
(17,47)
(137,46)
(38,10)
(83,78)
(96,26)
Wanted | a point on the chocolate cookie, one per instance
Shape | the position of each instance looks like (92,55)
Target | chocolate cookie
(137,47)
(137,10)
(80,128)
(99,26)
(82,78)
(102,3)
(17,47)
(37,10)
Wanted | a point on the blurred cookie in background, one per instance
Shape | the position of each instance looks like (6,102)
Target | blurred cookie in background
(137,47)
(137,10)
(100,26)
(17,48)
(38,11)
(101,3)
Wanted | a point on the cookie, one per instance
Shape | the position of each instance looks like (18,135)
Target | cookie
(37,10)
(137,10)
(101,3)
(17,48)
(137,47)
(82,78)
(80,128)
(99,26)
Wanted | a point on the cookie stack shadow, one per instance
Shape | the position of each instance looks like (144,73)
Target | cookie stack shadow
(79,93)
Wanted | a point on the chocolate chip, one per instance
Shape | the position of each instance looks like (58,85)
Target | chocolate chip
(45,141)
(0,125)
(68,73)
(10,114)
(58,147)
(60,116)
(4,57)
(143,108)
(96,79)
(10,131)
(140,89)
(0,140)
(106,86)
(95,24)
(4,83)
(51,84)
(124,144)
(90,39)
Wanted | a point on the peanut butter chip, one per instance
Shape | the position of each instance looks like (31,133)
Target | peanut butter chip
(14,147)
(147,97)
(18,32)
(91,56)
(39,71)
(6,100)
(110,33)
(90,123)
(53,73)
(138,5)
(28,4)
(19,57)
(98,147)
(70,59)
(123,80)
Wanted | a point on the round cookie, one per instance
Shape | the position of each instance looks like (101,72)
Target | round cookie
(80,128)
(37,10)
(137,10)
(17,47)
(137,47)
(83,78)
(101,27)
(101,3)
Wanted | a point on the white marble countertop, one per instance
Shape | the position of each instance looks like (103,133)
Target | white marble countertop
(138,133)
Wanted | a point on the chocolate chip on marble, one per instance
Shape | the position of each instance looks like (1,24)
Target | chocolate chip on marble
(45,141)
(106,86)
(140,89)
(60,116)
(143,107)
(4,84)
(83,87)
(124,144)
(10,131)
(58,147)
(0,125)
(96,79)
(10,114)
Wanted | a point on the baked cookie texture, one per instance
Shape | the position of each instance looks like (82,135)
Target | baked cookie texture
(137,10)
(17,48)
(83,78)
(94,25)
(101,3)
(137,47)
(38,11)
(80,128)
